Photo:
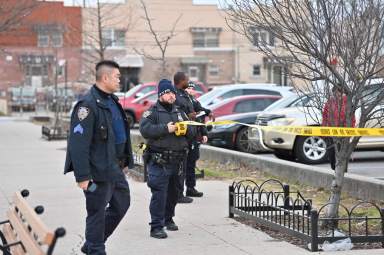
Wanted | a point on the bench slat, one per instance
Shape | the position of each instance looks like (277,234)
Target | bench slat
(37,225)
(28,241)
(11,238)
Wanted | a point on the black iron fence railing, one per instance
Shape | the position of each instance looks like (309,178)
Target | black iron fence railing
(289,212)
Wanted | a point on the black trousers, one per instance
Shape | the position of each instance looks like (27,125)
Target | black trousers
(106,206)
(188,176)
(163,182)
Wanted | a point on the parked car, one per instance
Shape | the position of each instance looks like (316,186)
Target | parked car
(242,104)
(136,92)
(241,137)
(135,109)
(233,136)
(220,93)
(23,97)
(309,150)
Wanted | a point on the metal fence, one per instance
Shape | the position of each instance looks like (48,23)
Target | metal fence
(290,213)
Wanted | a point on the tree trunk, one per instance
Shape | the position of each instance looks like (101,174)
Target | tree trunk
(342,158)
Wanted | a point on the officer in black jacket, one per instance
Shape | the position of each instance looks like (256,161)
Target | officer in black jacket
(164,156)
(184,102)
(194,145)
(99,147)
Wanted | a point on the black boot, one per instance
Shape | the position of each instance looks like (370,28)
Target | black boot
(184,200)
(171,226)
(192,192)
(158,233)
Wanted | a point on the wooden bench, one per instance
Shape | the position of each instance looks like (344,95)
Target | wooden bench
(24,232)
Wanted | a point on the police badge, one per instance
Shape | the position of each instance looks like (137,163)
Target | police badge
(82,113)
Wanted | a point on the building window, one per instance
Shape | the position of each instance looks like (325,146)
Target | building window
(42,40)
(213,70)
(205,37)
(57,40)
(113,38)
(261,37)
(255,70)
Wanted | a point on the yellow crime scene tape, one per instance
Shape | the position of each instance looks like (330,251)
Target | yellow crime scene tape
(298,130)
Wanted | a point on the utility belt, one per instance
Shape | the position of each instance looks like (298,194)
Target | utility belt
(164,157)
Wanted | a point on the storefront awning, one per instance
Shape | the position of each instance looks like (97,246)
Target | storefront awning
(130,61)
(194,60)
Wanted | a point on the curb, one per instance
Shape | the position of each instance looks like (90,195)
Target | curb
(357,186)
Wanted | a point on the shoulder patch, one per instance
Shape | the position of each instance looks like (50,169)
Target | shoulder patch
(82,113)
(146,114)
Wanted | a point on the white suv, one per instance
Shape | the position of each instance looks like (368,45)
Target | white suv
(228,91)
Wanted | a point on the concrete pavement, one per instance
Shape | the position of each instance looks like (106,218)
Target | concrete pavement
(29,162)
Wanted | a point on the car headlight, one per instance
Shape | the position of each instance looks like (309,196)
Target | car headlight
(281,122)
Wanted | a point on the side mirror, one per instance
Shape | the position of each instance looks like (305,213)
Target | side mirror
(145,102)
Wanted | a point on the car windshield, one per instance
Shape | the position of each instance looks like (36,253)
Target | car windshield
(282,103)
(133,91)
(208,97)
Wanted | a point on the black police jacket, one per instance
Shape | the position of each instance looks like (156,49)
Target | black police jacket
(153,127)
(91,152)
(183,101)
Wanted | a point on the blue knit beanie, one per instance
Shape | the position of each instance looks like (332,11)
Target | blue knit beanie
(165,86)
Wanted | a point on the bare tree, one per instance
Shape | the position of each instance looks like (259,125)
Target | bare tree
(101,19)
(336,42)
(161,40)
(12,13)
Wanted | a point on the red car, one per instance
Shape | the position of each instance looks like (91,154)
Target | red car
(242,104)
(138,106)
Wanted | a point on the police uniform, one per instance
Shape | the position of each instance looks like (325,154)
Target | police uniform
(164,155)
(194,150)
(99,147)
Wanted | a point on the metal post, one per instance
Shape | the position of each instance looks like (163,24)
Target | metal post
(314,230)
(382,225)
(286,196)
(231,200)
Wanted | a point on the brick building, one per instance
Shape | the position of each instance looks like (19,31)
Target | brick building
(44,49)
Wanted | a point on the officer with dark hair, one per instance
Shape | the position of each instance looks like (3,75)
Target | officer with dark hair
(99,147)
(164,155)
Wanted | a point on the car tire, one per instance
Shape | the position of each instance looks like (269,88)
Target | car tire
(284,154)
(241,142)
(130,119)
(311,150)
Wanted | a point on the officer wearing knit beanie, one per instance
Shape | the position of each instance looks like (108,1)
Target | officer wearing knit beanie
(165,86)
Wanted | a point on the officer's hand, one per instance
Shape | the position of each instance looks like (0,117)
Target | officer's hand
(205,139)
(192,115)
(171,127)
(83,185)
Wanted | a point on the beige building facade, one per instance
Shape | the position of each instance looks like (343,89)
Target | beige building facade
(201,44)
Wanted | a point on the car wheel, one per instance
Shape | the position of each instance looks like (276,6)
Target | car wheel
(242,142)
(130,119)
(284,154)
(311,149)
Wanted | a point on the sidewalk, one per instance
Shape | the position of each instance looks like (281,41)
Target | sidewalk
(30,162)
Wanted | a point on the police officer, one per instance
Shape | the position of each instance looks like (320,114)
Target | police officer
(99,147)
(183,101)
(164,155)
(194,145)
